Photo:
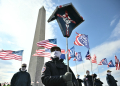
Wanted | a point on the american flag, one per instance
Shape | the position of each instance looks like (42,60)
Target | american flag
(103,62)
(110,64)
(81,40)
(47,43)
(69,57)
(119,65)
(75,59)
(9,54)
(46,53)
(93,60)
(116,62)
(88,57)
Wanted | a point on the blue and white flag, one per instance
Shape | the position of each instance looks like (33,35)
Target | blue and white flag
(72,52)
(110,64)
(82,40)
(103,62)
(79,57)
(62,56)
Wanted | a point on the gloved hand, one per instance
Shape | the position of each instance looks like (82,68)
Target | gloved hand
(67,76)
(69,83)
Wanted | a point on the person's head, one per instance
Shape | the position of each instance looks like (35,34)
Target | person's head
(78,75)
(55,52)
(23,68)
(94,75)
(109,72)
(87,72)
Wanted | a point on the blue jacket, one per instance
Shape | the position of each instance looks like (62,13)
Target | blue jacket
(111,81)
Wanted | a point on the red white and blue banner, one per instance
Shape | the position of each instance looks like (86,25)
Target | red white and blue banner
(82,40)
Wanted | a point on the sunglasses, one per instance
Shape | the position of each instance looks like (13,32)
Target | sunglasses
(23,66)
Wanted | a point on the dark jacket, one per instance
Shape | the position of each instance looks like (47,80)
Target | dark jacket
(89,80)
(80,81)
(21,79)
(52,73)
(84,81)
(111,81)
(97,82)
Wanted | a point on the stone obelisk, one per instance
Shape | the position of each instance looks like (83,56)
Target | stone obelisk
(36,63)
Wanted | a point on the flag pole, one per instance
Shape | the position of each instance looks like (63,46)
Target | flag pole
(91,67)
(22,59)
(83,67)
(97,67)
(76,67)
(67,55)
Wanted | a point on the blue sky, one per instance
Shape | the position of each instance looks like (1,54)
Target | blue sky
(102,25)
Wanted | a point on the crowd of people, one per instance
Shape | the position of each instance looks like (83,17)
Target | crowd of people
(92,80)
(55,73)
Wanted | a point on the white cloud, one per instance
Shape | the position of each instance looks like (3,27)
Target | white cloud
(106,49)
(116,31)
(112,22)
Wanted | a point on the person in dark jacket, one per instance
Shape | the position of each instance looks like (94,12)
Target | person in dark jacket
(97,82)
(54,73)
(79,80)
(110,79)
(89,79)
(84,80)
(0,84)
(21,78)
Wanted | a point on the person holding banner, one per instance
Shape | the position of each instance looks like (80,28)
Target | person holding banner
(54,73)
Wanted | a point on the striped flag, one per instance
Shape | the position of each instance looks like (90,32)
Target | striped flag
(103,62)
(93,60)
(47,43)
(88,57)
(81,40)
(9,54)
(116,63)
(119,65)
(69,57)
(110,64)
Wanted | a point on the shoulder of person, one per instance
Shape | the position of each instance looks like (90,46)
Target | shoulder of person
(48,63)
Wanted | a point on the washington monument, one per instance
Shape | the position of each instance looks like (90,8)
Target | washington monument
(36,63)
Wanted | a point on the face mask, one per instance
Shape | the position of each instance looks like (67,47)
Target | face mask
(56,54)
(78,77)
(109,73)
(23,68)
(87,73)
